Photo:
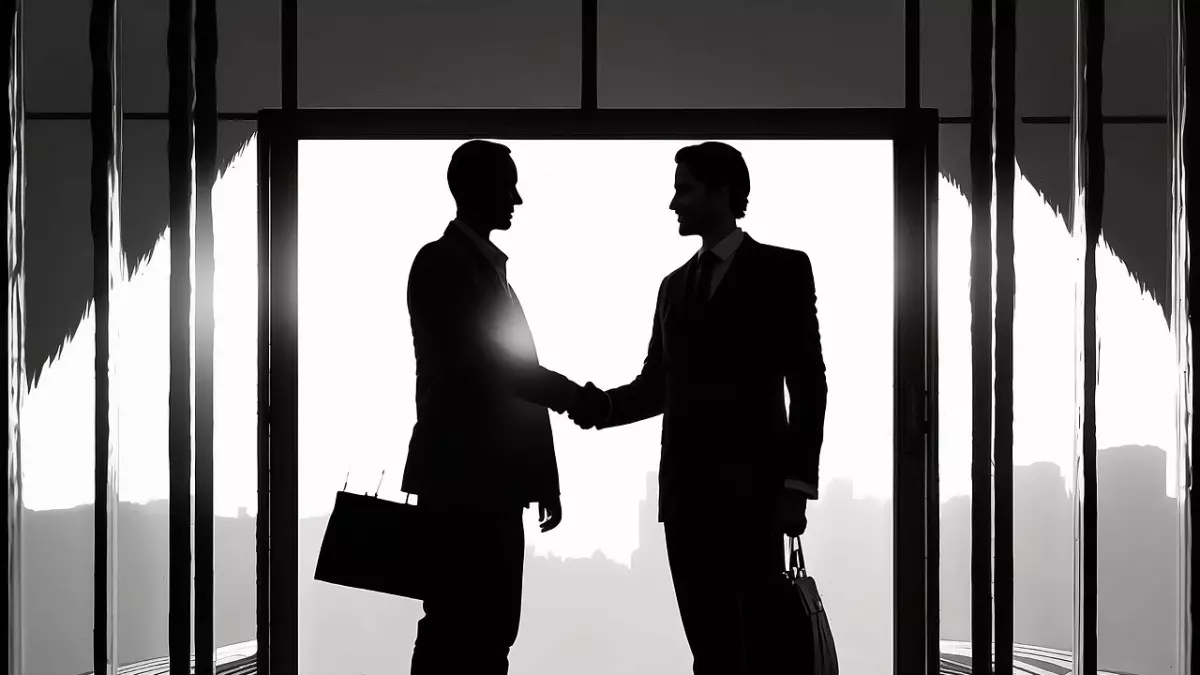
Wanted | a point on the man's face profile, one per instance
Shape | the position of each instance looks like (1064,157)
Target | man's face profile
(495,196)
(694,205)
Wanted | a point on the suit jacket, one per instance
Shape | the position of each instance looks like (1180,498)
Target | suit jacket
(717,374)
(482,434)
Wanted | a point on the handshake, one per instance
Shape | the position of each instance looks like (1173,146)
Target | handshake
(590,407)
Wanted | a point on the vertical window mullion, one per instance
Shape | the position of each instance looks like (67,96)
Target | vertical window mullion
(107,275)
(180,153)
(1005,125)
(14,221)
(206,174)
(982,120)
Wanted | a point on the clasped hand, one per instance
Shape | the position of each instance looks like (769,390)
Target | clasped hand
(590,408)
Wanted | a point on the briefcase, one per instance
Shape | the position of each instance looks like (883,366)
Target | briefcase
(377,545)
(805,619)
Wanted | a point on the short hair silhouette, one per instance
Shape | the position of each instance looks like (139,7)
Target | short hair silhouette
(715,165)
(474,168)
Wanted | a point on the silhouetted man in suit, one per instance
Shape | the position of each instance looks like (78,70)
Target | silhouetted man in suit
(732,325)
(481,449)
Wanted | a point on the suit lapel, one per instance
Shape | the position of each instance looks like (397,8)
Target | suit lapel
(677,292)
(744,259)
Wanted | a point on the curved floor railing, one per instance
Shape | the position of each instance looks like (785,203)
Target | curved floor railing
(1027,660)
(236,659)
(239,659)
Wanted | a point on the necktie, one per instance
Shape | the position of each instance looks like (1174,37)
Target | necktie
(708,260)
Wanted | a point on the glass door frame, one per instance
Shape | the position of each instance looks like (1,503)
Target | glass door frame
(914,134)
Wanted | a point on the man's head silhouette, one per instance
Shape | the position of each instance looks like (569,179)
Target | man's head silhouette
(483,180)
(712,188)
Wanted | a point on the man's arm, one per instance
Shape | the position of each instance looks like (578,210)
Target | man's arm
(439,303)
(537,384)
(645,397)
(804,373)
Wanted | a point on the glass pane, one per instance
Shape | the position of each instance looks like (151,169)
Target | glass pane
(143,530)
(247,63)
(661,54)
(450,53)
(600,582)
(1045,64)
(58,433)
(144,60)
(57,60)
(954,396)
(248,71)
(235,394)
(945,56)
(1137,57)
(1043,400)
(1138,527)
(1044,327)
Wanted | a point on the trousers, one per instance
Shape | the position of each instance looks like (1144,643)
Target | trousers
(726,575)
(473,613)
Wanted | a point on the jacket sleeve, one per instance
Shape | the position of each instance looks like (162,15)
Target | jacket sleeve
(645,397)
(442,311)
(804,373)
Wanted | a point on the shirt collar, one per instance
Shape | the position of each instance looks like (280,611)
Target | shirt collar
(490,251)
(725,248)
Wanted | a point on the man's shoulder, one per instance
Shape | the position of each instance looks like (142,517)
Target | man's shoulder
(677,273)
(781,265)
(773,253)
(439,246)
(433,256)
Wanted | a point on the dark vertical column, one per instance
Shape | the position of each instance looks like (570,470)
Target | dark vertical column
(13,121)
(1188,17)
(1092,49)
(206,175)
(1006,164)
(588,80)
(933,647)
(912,54)
(912,101)
(981,336)
(284,476)
(284,401)
(106,273)
(910,587)
(180,148)
(927,574)
(262,523)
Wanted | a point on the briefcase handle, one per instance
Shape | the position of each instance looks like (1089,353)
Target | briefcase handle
(796,557)
(346,485)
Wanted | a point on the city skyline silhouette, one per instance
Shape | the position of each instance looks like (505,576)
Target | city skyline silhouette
(622,619)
